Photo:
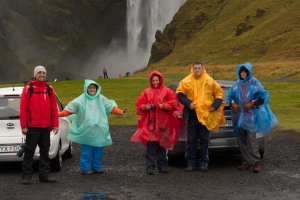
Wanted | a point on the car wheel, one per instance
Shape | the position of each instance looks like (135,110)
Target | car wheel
(172,160)
(56,162)
(69,152)
(261,152)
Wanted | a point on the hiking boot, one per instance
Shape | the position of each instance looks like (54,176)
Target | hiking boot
(165,170)
(87,173)
(150,172)
(99,172)
(190,169)
(26,180)
(203,169)
(244,167)
(47,179)
(257,167)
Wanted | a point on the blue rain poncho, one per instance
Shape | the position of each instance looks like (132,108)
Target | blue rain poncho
(89,118)
(258,119)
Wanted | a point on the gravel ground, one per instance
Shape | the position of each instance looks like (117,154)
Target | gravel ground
(125,176)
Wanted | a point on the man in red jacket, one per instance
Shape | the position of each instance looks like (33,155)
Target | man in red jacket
(38,116)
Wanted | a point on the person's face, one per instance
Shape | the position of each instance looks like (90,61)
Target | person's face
(198,69)
(243,75)
(155,81)
(40,76)
(92,89)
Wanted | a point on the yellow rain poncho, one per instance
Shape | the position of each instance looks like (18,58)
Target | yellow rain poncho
(203,91)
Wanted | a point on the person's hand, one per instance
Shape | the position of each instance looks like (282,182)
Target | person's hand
(148,106)
(160,105)
(235,107)
(192,106)
(124,111)
(248,106)
(55,130)
(24,131)
(211,109)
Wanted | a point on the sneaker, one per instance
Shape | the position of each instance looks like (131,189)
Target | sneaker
(203,169)
(257,167)
(190,169)
(244,167)
(99,172)
(150,172)
(165,170)
(87,173)
(26,180)
(47,179)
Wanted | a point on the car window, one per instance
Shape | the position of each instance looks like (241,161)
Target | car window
(225,93)
(9,107)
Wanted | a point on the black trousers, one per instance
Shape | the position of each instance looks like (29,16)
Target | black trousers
(156,154)
(34,137)
(105,75)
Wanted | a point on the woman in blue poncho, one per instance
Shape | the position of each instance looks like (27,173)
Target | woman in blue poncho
(88,114)
(251,114)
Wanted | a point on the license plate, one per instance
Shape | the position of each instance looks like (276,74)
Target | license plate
(15,148)
(228,123)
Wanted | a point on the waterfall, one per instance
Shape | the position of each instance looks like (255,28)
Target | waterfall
(144,18)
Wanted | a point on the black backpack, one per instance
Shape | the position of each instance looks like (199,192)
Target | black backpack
(31,90)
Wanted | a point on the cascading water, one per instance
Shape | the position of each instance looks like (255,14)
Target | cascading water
(144,18)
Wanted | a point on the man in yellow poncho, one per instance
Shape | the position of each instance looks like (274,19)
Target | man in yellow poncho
(202,98)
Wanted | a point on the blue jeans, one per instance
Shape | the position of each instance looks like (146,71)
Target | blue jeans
(197,131)
(91,158)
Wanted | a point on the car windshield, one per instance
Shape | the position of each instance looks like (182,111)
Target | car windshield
(9,107)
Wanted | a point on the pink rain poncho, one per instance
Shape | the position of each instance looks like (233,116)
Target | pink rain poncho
(259,119)
(157,124)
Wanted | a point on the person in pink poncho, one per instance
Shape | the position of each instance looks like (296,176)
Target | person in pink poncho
(158,125)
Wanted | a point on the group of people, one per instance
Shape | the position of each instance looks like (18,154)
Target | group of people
(158,127)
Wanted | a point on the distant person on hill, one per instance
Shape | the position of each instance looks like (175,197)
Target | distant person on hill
(202,98)
(251,114)
(120,75)
(158,125)
(90,127)
(105,73)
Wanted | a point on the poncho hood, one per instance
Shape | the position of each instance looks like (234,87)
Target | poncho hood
(161,79)
(248,66)
(87,83)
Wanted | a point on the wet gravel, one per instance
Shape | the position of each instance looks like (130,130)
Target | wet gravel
(125,177)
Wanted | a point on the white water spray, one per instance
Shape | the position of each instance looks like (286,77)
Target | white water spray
(144,18)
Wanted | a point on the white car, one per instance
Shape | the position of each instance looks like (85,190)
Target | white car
(11,136)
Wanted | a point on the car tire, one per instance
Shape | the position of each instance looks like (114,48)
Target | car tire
(261,152)
(172,160)
(56,162)
(69,152)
